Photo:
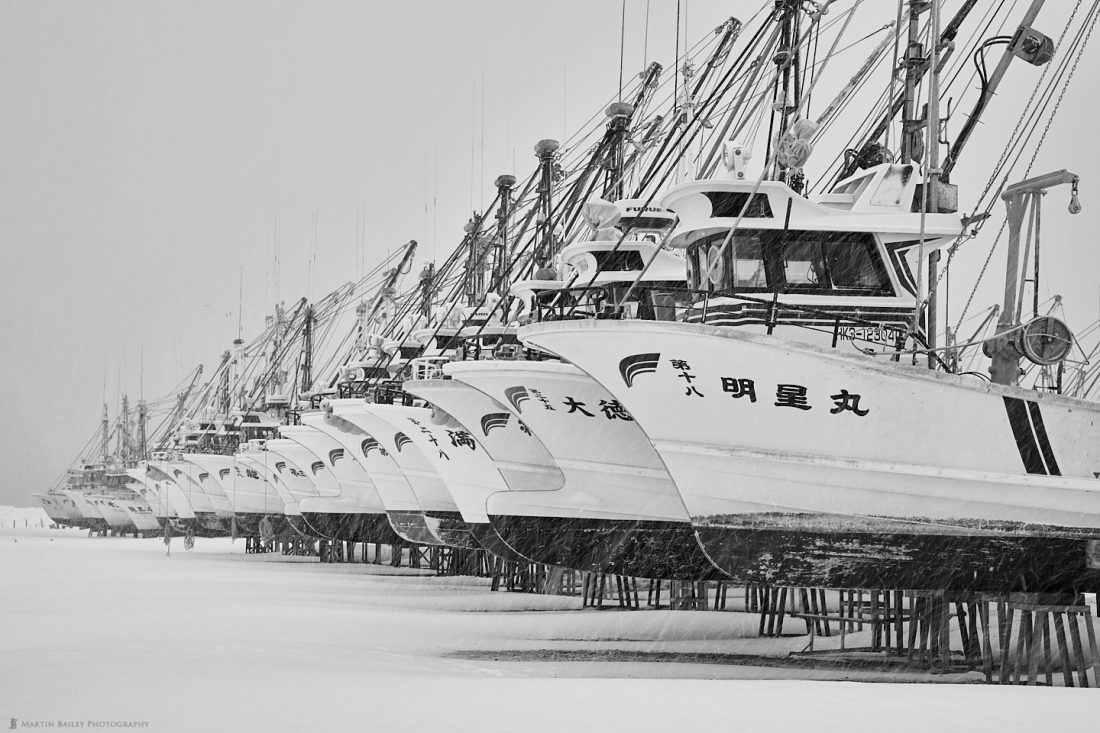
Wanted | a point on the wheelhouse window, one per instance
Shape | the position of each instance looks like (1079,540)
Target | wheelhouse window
(670,304)
(624,259)
(838,263)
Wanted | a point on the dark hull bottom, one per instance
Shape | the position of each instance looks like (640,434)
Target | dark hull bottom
(350,527)
(196,526)
(251,525)
(413,527)
(211,526)
(644,549)
(901,561)
(488,538)
(451,529)
(301,527)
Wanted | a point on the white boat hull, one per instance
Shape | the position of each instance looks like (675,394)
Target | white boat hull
(348,506)
(833,469)
(454,455)
(403,507)
(617,509)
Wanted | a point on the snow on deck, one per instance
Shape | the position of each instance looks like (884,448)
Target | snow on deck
(111,629)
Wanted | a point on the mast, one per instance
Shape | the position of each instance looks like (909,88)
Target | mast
(872,151)
(472,242)
(788,93)
(1011,340)
(143,438)
(307,351)
(427,278)
(105,431)
(124,448)
(618,114)
(503,253)
(546,151)
(223,389)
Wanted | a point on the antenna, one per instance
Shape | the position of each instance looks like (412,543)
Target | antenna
(564,87)
(473,141)
(240,304)
(481,176)
(622,49)
(435,196)
(275,271)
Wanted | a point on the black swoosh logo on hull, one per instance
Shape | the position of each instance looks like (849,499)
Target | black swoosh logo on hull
(280,466)
(631,366)
(494,420)
(516,396)
(368,445)
(335,454)
(401,440)
(317,467)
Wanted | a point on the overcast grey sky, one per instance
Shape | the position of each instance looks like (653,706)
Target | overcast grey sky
(146,149)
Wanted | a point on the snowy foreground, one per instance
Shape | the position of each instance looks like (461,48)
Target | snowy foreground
(113,634)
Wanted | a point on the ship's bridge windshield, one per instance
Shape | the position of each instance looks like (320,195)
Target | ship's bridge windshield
(770,260)
(648,228)
(651,301)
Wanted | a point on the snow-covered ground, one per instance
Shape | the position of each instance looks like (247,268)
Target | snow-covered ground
(114,630)
(23,517)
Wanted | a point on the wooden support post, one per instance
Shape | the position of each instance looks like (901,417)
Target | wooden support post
(1038,632)
(945,634)
(1078,653)
(964,636)
(914,609)
(719,596)
(1004,624)
(987,647)
(1047,658)
(876,624)
(1022,642)
(889,609)
(803,597)
(924,617)
(974,649)
(933,628)
(1087,617)
(1060,633)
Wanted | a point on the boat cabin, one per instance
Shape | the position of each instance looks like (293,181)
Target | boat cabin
(842,264)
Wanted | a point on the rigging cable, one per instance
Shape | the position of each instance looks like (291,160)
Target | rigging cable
(1080,50)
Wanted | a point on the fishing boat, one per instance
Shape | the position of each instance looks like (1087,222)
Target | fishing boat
(347,507)
(614,509)
(213,511)
(61,508)
(442,450)
(808,446)
(191,506)
(403,476)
